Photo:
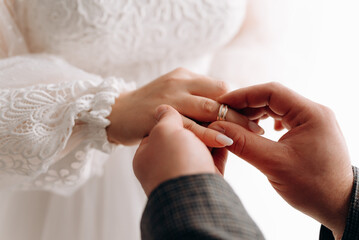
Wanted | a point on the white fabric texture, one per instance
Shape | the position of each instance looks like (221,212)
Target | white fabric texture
(53,111)
(37,122)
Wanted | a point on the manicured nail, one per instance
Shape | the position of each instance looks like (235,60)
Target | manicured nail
(223,139)
(255,128)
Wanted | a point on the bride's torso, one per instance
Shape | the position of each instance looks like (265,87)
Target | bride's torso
(134,39)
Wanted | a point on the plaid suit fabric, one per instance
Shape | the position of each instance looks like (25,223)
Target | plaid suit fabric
(351,231)
(200,206)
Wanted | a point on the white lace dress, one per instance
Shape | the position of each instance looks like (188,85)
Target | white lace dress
(62,64)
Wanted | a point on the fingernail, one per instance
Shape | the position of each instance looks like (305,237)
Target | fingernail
(255,128)
(160,111)
(223,139)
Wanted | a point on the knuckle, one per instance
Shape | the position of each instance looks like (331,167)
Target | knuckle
(222,86)
(239,144)
(171,82)
(208,106)
(328,111)
(275,85)
(323,112)
(180,70)
(205,134)
(190,125)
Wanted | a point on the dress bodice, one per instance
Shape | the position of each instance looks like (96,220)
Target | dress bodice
(134,39)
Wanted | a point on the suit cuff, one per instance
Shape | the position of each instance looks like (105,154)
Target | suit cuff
(351,230)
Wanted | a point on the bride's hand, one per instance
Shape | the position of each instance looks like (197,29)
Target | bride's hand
(193,95)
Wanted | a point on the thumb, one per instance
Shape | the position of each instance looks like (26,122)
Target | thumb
(255,149)
(168,117)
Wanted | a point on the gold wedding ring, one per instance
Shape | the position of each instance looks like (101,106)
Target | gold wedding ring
(222,113)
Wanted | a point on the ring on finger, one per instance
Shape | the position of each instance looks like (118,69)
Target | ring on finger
(222,112)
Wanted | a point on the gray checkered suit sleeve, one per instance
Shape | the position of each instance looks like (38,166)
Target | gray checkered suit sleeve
(200,206)
(351,231)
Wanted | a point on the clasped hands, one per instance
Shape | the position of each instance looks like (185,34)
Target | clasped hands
(309,166)
(192,95)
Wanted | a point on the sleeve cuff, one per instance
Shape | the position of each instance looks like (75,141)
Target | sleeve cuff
(80,161)
(99,108)
(351,230)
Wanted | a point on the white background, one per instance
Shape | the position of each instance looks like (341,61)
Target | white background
(319,44)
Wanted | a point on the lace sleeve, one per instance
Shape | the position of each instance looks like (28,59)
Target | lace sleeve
(48,130)
(52,116)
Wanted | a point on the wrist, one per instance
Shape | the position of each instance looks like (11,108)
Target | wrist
(337,222)
(117,126)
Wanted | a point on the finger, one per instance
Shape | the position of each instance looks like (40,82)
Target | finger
(220,159)
(259,113)
(206,110)
(168,119)
(207,87)
(278,125)
(281,100)
(253,113)
(200,108)
(197,84)
(265,116)
(258,151)
(208,136)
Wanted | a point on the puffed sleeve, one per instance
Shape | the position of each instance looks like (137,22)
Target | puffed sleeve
(52,118)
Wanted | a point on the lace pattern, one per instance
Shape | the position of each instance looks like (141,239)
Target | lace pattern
(123,34)
(37,122)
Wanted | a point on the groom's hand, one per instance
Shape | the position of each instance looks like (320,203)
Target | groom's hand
(309,166)
(171,151)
